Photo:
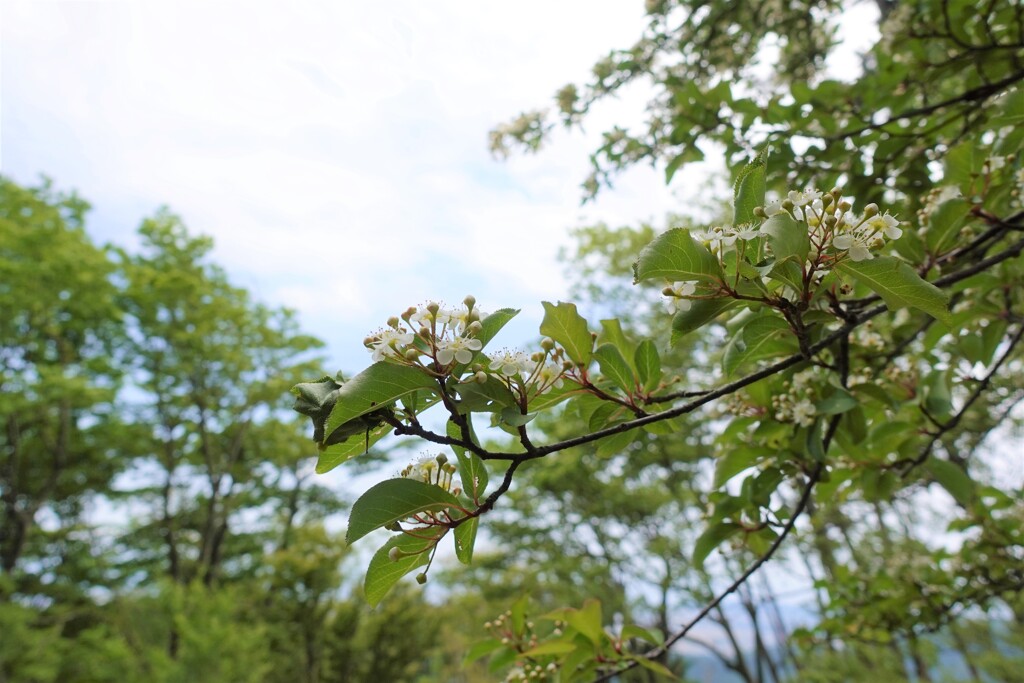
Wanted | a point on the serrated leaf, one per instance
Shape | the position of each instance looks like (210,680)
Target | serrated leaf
(353,446)
(383,573)
(748,191)
(465,539)
(898,285)
(701,312)
(393,500)
(376,387)
(611,332)
(566,326)
(953,478)
(759,338)
(648,364)
(676,256)
(614,367)
(712,537)
(788,272)
(788,238)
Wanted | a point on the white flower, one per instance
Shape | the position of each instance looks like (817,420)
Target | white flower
(803,198)
(886,224)
(388,342)
(460,349)
(509,363)
(748,232)
(677,293)
(774,208)
(803,413)
(856,243)
(550,375)
(995,163)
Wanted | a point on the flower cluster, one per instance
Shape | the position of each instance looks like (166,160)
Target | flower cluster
(832,225)
(442,337)
(436,470)
(796,404)
(540,371)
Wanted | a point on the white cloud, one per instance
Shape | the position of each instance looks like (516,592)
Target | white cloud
(336,152)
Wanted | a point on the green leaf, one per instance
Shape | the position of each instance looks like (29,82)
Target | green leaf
(689,154)
(489,328)
(393,500)
(567,327)
(788,238)
(748,191)
(712,537)
(472,470)
(701,312)
(676,256)
(553,647)
(383,573)
(614,367)
(652,636)
(482,649)
(953,478)
(739,458)
(465,539)
(944,224)
(788,272)
(376,387)
(587,620)
(648,364)
(838,401)
(611,332)
(651,665)
(759,338)
(898,285)
(353,446)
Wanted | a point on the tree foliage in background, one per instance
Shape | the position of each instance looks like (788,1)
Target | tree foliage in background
(844,368)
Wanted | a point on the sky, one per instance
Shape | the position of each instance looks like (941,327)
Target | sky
(336,152)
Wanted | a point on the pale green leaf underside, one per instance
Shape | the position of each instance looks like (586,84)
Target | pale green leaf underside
(392,500)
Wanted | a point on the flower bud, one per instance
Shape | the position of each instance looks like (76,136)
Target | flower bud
(421,578)
(368,341)
(475,328)
(788,204)
(547,343)
(394,554)
(845,206)
(480,377)
(831,221)
(668,291)
(411,354)
(870,210)
(760,212)
(470,301)
(836,192)
(409,312)
(424,332)
(441,458)
(433,308)
(826,200)
(393,322)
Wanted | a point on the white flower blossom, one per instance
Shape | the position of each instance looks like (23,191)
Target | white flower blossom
(804,198)
(856,243)
(388,343)
(460,349)
(886,224)
(510,363)
(803,413)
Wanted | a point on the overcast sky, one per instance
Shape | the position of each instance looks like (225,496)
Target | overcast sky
(336,152)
